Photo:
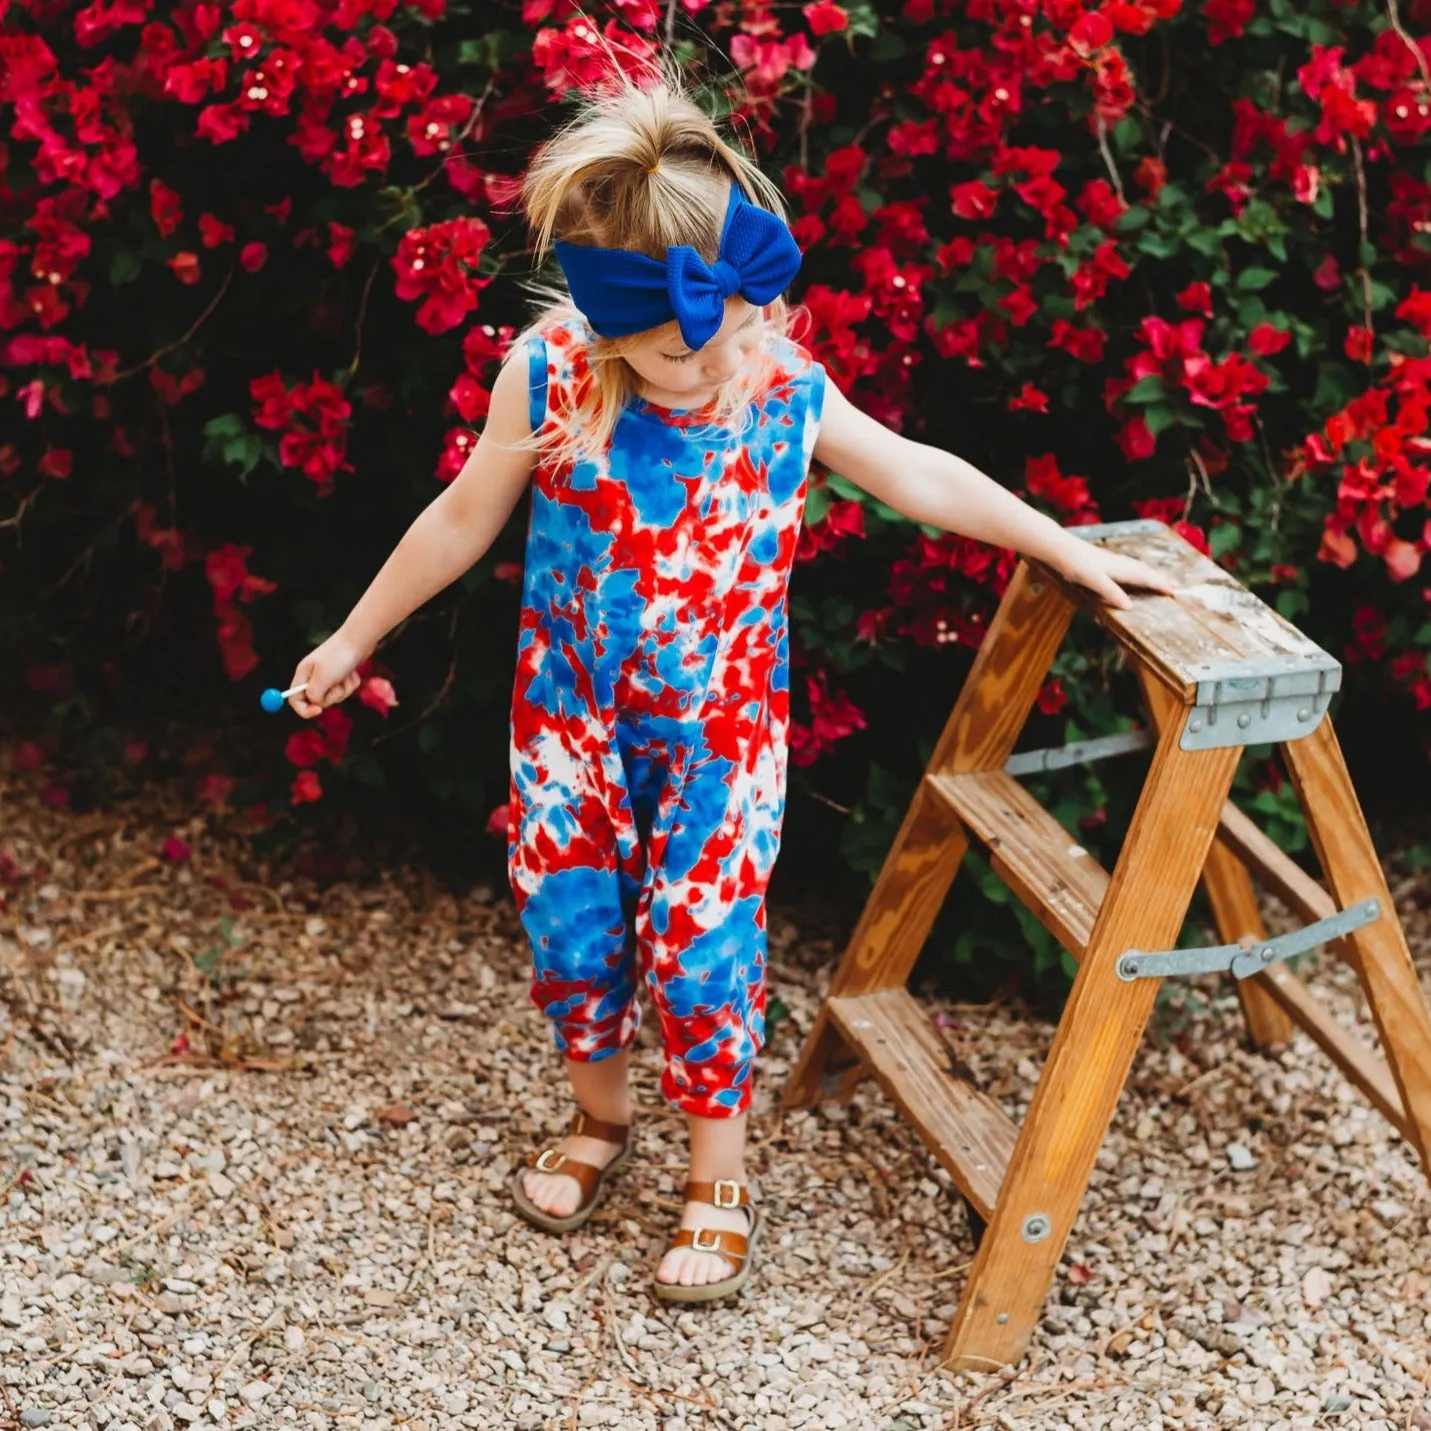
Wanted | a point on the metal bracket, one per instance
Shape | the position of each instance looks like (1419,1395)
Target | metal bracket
(1081,752)
(1240,962)
(1266,702)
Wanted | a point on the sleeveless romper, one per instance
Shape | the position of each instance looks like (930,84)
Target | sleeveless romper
(650,719)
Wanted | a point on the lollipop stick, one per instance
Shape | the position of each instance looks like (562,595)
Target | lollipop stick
(294,690)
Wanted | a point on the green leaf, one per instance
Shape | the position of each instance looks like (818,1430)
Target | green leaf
(1146,390)
(843,487)
(1251,311)
(1291,604)
(1250,280)
(124,267)
(817,505)
(1224,538)
(1157,246)
(1382,296)
(1159,417)
(1131,220)
(1204,241)
(227,424)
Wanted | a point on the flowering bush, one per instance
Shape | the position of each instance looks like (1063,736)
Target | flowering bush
(1162,257)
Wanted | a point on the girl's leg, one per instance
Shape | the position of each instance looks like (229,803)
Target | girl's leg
(601,1089)
(574,887)
(717,1151)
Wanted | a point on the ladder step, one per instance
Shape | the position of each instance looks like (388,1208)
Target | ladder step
(972,1137)
(1054,876)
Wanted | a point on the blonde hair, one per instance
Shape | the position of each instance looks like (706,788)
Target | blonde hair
(640,167)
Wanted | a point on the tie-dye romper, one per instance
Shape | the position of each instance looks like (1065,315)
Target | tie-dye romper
(650,720)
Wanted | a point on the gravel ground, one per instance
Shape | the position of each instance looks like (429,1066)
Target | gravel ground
(255,1137)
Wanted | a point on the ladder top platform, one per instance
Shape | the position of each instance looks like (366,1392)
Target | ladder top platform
(1212,641)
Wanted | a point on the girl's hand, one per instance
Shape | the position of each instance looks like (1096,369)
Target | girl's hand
(331,674)
(1105,573)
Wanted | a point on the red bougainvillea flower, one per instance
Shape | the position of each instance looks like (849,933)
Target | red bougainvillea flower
(438,265)
(325,738)
(377,693)
(212,232)
(1227,19)
(842,521)
(825,17)
(232,582)
(165,206)
(457,447)
(306,787)
(313,418)
(1030,399)
(1357,345)
(186,267)
(1265,339)
(1068,495)
(1172,510)
(832,718)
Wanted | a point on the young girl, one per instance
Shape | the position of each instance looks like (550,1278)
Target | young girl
(666,425)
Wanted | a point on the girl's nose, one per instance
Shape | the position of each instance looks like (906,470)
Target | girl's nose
(721,366)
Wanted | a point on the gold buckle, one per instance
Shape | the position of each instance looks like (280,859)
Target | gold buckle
(700,1246)
(546,1167)
(734,1192)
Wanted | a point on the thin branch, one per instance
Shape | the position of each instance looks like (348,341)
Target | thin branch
(362,315)
(454,149)
(1197,474)
(1362,220)
(1394,16)
(441,695)
(671,23)
(178,342)
(26,503)
(807,114)
(1108,160)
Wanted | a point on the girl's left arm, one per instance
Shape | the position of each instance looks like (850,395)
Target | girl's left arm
(929,485)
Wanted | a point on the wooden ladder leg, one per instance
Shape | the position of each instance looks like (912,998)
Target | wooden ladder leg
(1382,960)
(1232,896)
(1236,913)
(980,734)
(1102,1023)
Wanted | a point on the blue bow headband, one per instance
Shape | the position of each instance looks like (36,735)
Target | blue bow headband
(619,292)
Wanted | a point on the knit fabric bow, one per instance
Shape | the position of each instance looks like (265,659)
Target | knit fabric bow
(619,292)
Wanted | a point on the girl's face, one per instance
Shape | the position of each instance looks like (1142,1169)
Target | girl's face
(672,375)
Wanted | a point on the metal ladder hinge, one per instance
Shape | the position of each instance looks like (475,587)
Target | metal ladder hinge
(1263,703)
(1240,961)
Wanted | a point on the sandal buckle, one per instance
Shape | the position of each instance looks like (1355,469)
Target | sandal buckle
(734,1192)
(711,1246)
(544,1166)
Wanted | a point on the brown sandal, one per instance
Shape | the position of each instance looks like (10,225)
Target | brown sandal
(589,1178)
(736,1249)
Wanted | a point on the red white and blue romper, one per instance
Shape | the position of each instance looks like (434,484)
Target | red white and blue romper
(650,719)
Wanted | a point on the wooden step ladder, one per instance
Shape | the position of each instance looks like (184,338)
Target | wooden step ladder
(1219,670)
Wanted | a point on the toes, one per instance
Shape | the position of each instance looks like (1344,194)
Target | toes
(549,1194)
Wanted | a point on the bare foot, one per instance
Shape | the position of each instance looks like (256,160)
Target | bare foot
(558,1193)
(686,1267)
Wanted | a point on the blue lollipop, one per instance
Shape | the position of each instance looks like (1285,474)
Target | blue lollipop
(273,700)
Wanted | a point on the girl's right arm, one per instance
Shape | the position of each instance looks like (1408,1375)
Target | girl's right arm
(447,538)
